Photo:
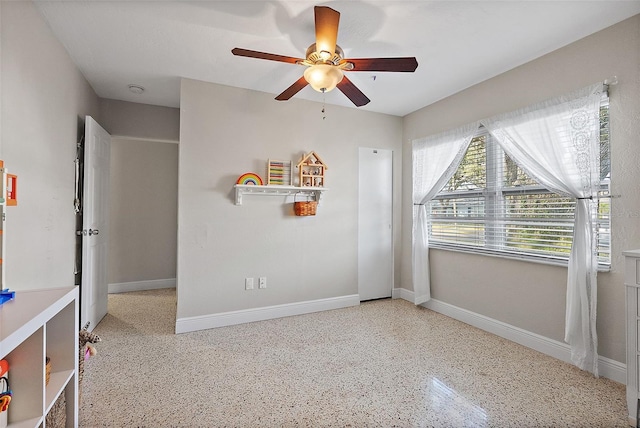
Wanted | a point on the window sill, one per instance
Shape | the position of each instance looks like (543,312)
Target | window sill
(504,255)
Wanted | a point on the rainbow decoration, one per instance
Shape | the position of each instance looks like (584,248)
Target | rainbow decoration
(250,178)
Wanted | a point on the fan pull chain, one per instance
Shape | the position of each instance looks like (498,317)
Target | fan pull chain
(324,116)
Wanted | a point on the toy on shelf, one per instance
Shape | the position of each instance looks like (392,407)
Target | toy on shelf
(278,173)
(250,178)
(6,295)
(5,394)
(10,192)
(311,170)
(8,197)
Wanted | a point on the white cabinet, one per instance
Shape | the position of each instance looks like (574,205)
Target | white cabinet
(632,283)
(35,325)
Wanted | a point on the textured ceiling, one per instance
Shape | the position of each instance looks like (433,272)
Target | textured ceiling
(457,43)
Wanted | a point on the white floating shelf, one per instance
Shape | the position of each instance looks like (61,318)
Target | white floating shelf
(248,189)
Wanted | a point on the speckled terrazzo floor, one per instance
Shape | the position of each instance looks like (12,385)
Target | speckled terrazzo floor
(383,364)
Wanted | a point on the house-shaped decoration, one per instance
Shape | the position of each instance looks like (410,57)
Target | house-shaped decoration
(311,170)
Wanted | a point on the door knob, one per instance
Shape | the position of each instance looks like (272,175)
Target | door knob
(93,232)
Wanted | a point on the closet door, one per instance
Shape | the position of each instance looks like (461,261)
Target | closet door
(375,220)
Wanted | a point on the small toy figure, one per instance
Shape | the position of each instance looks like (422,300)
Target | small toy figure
(84,339)
(5,394)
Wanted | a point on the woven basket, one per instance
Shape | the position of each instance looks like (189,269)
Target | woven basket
(57,416)
(304,208)
(47,374)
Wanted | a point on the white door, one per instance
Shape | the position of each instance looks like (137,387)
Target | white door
(97,156)
(375,219)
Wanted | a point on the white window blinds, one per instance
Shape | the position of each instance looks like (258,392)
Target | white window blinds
(491,205)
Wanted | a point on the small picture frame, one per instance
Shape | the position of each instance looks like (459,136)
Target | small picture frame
(278,173)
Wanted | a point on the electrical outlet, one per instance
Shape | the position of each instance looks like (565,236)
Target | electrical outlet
(262,282)
(248,283)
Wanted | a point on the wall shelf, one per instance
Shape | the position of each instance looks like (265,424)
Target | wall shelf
(244,189)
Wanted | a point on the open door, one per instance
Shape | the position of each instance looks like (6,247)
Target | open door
(95,221)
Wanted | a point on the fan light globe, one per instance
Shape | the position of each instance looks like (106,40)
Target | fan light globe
(323,77)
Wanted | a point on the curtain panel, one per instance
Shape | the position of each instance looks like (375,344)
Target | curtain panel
(435,159)
(557,142)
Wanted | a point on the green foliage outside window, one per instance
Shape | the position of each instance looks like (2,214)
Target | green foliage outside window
(499,207)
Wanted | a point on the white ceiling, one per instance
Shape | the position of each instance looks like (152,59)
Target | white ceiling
(457,43)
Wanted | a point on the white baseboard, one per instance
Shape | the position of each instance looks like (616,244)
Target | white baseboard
(402,293)
(124,287)
(607,367)
(185,325)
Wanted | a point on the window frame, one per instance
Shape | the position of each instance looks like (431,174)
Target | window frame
(493,176)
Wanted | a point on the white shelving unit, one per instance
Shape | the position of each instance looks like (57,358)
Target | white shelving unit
(3,204)
(244,189)
(35,325)
(632,285)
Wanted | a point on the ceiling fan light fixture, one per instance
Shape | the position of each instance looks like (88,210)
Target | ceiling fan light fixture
(325,55)
(326,62)
(323,77)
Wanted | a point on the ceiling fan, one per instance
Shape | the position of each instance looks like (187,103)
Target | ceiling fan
(325,61)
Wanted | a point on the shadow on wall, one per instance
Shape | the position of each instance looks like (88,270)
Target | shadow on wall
(226,183)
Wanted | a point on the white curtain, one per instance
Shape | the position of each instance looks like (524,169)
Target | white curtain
(558,143)
(435,160)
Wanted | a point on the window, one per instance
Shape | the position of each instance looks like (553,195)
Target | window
(492,206)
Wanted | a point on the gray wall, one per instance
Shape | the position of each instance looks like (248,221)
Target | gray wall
(228,131)
(143,210)
(527,295)
(144,190)
(140,121)
(44,101)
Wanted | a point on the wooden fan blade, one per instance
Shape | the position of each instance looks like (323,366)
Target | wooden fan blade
(327,21)
(263,55)
(352,92)
(406,64)
(292,90)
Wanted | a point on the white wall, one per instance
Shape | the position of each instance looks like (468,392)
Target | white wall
(527,295)
(227,131)
(44,101)
(143,211)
